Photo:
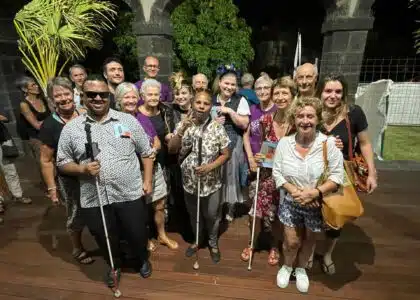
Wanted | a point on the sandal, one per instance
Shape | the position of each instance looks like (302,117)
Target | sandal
(328,269)
(168,242)
(151,246)
(246,254)
(273,257)
(83,257)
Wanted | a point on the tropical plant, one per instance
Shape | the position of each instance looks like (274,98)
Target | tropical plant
(416,5)
(55,32)
(210,33)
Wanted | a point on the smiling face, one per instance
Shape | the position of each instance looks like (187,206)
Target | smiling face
(78,76)
(306,79)
(228,85)
(263,91)
(332,94)
(151,67)
(114,73)
(96,96)
(200,82)
(282,97)
(32,88)
(306,120)
(63,99)
(183,97)
(129,102)
(151,96)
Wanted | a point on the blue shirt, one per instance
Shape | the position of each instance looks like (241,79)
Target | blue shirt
(250,96)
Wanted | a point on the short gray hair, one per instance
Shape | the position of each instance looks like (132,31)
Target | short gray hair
(264,78)
(77,66)
(124,88)
(150,83)
(23,81)
(63,82)
(247,79)
(194,78)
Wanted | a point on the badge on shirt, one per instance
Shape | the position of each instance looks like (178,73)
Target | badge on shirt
(122,131)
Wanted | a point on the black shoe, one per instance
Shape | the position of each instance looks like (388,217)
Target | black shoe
(109,278)
(146,269)
(215,254)
(191,250)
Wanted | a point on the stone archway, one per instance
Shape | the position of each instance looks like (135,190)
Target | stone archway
(153,30)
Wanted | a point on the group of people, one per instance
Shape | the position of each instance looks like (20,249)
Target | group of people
(131,148)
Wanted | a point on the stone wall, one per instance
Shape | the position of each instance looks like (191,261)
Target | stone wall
(345,32)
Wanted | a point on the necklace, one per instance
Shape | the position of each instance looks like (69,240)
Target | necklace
(71,117)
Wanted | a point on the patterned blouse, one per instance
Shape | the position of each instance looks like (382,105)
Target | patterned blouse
(215,139)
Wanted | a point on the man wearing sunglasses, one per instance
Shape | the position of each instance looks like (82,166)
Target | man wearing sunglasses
(115,139)
(151,68)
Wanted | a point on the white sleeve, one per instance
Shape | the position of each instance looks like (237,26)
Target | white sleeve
(335,162)
(277,163)
(243,108)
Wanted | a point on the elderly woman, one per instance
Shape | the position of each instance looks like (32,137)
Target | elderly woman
(232,111)
(33,111)
(333,91)
(298,167)
(272,126)
(154,118)
(62,188)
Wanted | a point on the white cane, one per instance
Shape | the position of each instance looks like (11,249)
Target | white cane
(117,292)
(254,213)
(196,265)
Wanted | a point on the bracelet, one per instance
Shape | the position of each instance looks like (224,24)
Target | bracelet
(51,188)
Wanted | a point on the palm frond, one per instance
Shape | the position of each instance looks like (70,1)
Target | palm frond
(54,30)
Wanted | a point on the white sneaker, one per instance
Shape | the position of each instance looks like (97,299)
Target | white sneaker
(302,280)
(283,276)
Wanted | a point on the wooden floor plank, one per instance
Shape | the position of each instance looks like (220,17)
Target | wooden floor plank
(376,258)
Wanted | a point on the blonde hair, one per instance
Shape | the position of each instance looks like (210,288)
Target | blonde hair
(299,103)
(124,88)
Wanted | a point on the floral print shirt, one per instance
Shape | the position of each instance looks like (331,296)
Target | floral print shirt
(215,139)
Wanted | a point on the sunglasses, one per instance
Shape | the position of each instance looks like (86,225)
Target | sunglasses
(93,95)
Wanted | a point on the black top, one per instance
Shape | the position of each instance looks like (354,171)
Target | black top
(358,123)
(50,132)
(40,116)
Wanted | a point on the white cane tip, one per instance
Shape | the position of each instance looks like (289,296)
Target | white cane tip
(249,268)
(196,266)
(117,293)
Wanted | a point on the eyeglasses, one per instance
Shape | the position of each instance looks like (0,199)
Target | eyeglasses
(152,66)
(93,95)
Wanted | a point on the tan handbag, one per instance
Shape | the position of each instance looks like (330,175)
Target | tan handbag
(356,165)
(342,206)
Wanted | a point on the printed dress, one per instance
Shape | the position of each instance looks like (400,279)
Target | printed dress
(268,196)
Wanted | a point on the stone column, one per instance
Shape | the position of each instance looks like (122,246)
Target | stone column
(345,30)
(10,64)
(153,30)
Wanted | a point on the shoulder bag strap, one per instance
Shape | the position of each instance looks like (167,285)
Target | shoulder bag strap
(349,137)
(325,155)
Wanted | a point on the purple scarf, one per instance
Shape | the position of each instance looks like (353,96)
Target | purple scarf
(147,126)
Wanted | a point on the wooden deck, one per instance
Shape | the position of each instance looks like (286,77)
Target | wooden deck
(377,258)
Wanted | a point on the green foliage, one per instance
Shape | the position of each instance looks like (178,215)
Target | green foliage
(210,33)
(51,31)
(416,5)
(125,40)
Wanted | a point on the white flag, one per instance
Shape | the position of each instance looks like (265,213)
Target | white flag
(298,53)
